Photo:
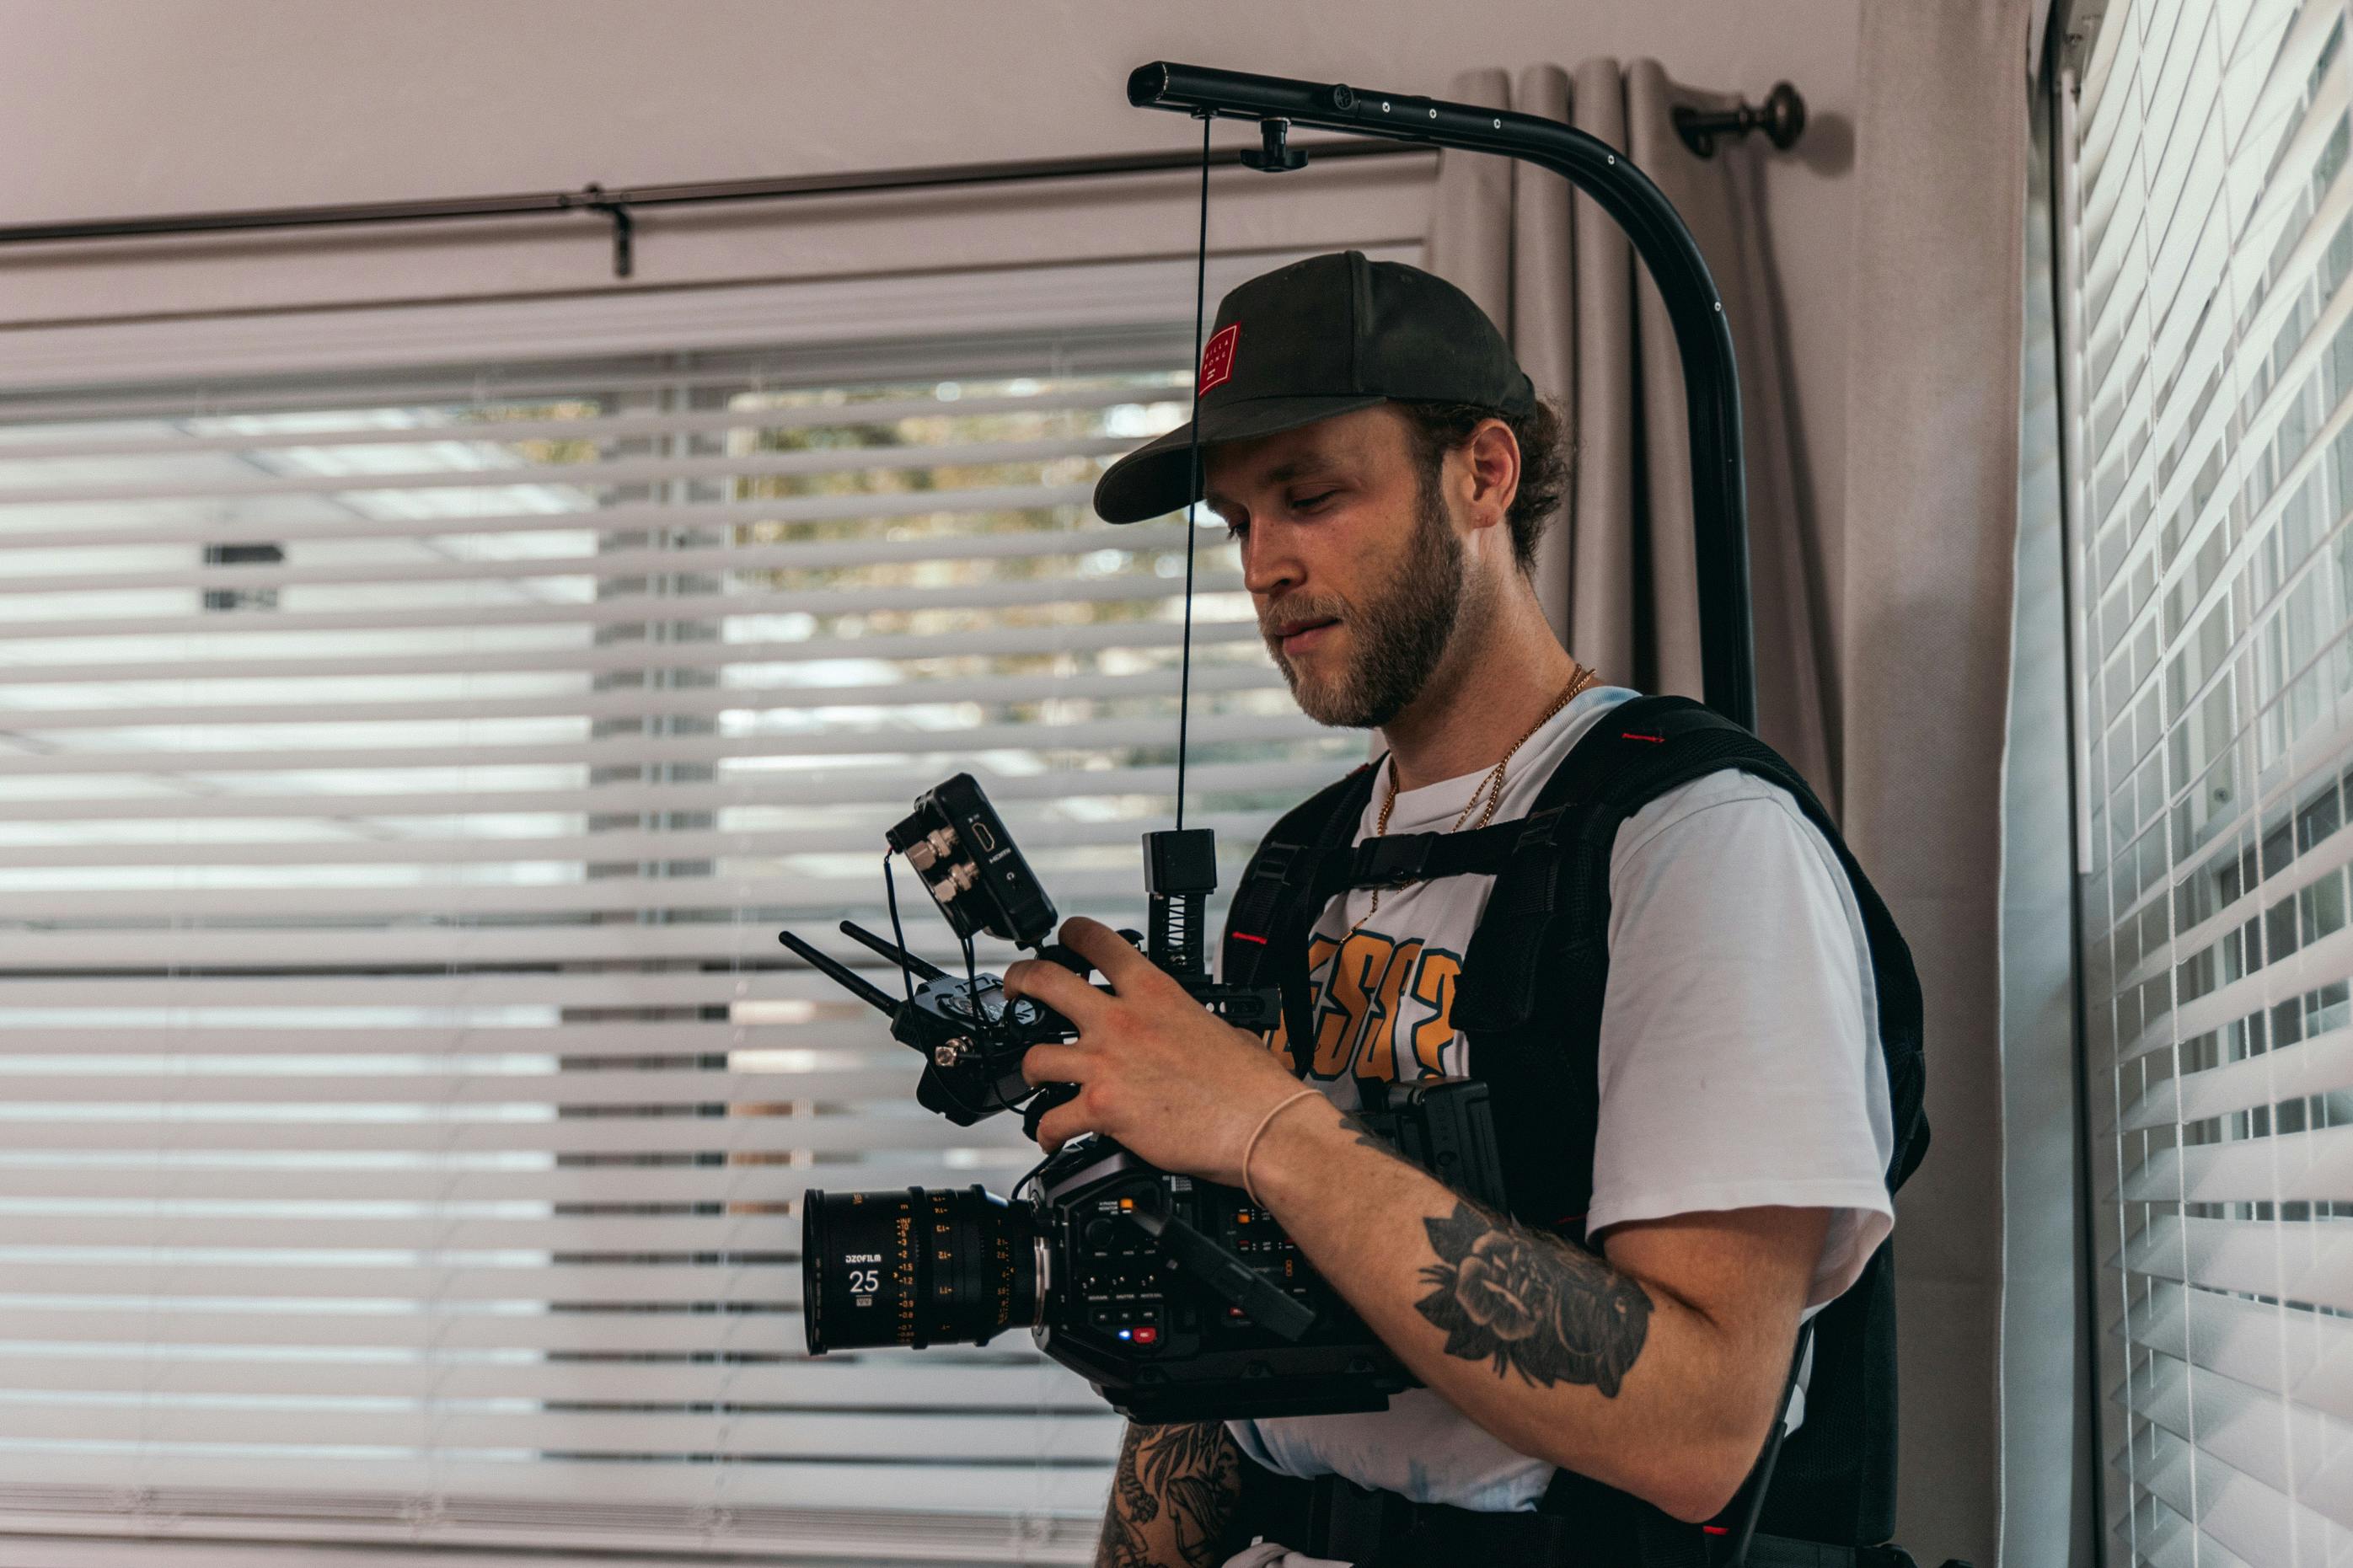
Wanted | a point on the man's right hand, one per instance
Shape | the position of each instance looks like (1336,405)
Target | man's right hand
(1171,1497)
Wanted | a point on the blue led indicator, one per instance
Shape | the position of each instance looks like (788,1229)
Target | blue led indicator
(1127,1333)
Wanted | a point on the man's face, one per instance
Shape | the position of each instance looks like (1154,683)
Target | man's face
(1354,566)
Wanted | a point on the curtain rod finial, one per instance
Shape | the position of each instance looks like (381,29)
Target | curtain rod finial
(1782,118)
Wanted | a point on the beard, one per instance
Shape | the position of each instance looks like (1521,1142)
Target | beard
(1399,633)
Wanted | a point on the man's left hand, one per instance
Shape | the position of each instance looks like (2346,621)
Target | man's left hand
(1172,1082)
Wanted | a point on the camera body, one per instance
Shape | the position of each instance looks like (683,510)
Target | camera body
(1179,1299)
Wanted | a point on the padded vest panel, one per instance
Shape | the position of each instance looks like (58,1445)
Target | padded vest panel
(1530,1002)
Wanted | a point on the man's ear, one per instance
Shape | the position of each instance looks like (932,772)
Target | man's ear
(1493,458)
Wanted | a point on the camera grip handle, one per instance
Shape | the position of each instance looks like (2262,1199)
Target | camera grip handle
(1048,1097)
(1053,1094)
(1055,953)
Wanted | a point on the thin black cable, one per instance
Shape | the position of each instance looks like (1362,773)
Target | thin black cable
(898,932)
(989,1032)
(980,1021)
(1028,1176)
(1193,489)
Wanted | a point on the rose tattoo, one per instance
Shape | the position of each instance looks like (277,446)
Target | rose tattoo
(1530,1304)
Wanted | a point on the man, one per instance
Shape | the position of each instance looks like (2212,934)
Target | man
(1384,468)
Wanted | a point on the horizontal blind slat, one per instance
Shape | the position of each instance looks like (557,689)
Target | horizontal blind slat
(882,1071)
(668,423)
(359,1044)
(1007,1386)
(606,1284)
(2303,1355)
(666,748)
(404,1329)
(579,655)
(573,702)
(2247,1518)
(997,1486)
(2299,1261)
(623,609)
(800,895)
(428,1137)
(2287,1167)
(2298,1454)
(829,1435)
(841,783)
(618,844)
(341,524)
(264,1178)
(237,480)
(325,569)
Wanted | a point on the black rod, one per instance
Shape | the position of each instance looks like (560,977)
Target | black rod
(1711,379)
(601,200)
(841,974)
(921,968)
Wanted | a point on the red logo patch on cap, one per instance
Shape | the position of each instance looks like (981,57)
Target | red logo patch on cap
(1217,359)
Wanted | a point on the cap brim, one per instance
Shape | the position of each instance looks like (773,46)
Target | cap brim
(1153,480)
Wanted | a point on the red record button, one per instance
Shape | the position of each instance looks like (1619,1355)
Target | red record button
(1147,1335)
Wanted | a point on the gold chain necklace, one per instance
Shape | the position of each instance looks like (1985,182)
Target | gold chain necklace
(1492,786)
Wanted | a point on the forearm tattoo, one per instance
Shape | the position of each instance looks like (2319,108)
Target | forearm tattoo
(1531,1303)
(1183,1479)
(1368,1139)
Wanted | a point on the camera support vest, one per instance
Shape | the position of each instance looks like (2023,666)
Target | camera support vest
(1529,1001)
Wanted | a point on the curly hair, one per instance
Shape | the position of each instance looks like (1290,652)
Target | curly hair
(1548,459)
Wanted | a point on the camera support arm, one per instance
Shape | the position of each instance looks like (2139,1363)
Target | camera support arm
(1711,380)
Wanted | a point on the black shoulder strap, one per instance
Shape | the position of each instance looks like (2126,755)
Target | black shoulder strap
(1554,895)
(1275,910)
(1545,935)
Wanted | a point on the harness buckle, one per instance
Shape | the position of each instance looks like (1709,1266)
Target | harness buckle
(1275,861)
(1394,862)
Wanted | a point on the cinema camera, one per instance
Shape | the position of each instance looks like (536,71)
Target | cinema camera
(1178,1300)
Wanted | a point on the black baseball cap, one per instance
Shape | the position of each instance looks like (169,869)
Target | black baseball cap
(1327,335)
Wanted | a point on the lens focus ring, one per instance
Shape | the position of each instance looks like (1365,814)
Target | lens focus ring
(915,1268)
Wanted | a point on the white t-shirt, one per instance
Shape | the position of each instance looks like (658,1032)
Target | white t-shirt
(1739,1059)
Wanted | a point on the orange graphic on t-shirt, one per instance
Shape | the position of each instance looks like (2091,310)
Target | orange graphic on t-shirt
(1357,1001)
(1434,983)
(1377,1041)
(1348,996)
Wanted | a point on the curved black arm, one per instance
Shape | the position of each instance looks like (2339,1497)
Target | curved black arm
(1711,380)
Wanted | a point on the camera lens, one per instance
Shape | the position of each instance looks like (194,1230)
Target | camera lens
(915,1268)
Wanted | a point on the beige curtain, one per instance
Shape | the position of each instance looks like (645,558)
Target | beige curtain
(1616,571)
(1902,726)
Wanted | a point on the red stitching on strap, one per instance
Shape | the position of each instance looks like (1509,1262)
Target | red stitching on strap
(1630,735)
(1245,936)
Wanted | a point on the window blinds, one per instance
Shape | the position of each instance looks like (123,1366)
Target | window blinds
(404,1100)
(2211,232)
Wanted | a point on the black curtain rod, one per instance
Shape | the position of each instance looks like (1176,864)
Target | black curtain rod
(616,205)
(1781,117)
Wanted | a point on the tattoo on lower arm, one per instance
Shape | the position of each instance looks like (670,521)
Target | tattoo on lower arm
(1531,1304)
(1125,1544)
(1368,1139)
(1181,1477)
